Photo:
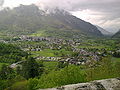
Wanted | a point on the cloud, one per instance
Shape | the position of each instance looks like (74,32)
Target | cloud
(105,13)
(15,3)
(1,2)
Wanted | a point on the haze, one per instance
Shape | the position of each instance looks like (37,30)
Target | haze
(104,13)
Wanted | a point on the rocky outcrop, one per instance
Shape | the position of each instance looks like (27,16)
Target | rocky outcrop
(107,84)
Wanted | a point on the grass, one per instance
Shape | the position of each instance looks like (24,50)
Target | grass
(51,53)
(49,66)
(98,47)
(115,60)
(39,33)
(19,86)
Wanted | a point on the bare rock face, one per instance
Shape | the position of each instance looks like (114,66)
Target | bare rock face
(107,84)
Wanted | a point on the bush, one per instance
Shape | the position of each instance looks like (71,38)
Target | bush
(32,83)
(69,75)
(104,70)
(116,54)
(3,84)
(19,86)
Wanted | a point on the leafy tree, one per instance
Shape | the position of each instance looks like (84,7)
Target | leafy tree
(6,72)
(103,70)
(10,53)
(30,68)
(62,64)
(69,75)
(32,84)
(116,54)
(3,84)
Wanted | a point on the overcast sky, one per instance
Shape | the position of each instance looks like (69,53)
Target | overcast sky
(105,13)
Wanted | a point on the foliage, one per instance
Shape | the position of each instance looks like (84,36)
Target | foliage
(10,53)
(68,75)
(3,84)
(1,64)
(30,68)
(116,54)
(49,66)
(32,84)
(19,86)
(62,65)
(104,69)
(6,72)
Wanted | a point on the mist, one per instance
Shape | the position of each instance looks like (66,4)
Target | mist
(104,13)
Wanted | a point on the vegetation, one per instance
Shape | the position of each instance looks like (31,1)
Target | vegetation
(76,74)
(30,68)
(31,73)
(51,53)
(40,51)
(10,53)
(68,75)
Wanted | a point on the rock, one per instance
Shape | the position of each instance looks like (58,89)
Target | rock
(107,84)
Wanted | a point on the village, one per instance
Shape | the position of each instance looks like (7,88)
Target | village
(80,56)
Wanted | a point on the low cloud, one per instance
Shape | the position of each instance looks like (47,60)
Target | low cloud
(1,2)
(105,13)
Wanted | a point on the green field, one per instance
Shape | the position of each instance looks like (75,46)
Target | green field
(51,53)
(115,60)
(98,47)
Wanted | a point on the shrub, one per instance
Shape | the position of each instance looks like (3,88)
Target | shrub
(32,83)
(19,86)
(69,75)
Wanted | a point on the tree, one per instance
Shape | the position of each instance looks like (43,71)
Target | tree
(62,65)
(6,72)
(116,54)
(30,68)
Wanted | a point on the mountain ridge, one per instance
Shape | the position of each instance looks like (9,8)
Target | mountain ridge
(103,31)
(117,35)
(29,19)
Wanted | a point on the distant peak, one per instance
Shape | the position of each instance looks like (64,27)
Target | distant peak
(55,10)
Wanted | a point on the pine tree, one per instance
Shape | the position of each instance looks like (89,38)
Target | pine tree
(30,68)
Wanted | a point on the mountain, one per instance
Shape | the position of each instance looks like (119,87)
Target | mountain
(104,32)
(30,20)
(117,35)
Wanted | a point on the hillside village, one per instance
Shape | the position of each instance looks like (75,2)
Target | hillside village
(80,56)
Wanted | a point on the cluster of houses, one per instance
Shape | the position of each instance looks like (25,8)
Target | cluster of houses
(50,40)
(83,58)
(49,58)
(84,55)
(52,43)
